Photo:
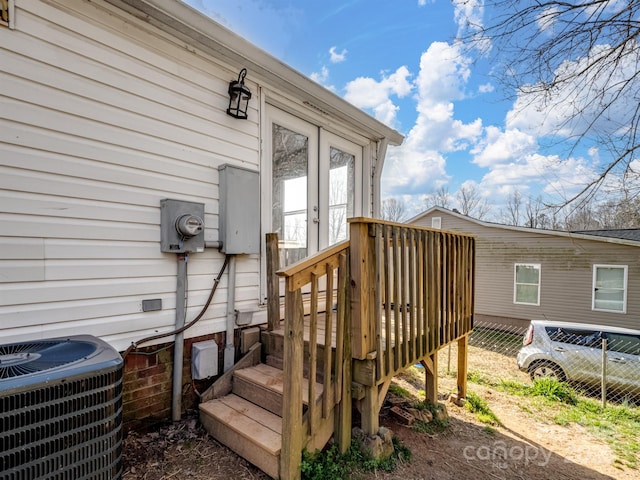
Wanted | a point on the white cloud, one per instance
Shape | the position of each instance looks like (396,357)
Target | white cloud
(557,178)
(419,165)
(581,103)
(320,77)
(547,19)
(337,57)
(468,15)
(502,146)
(486,88)
(368,93)
(444,72)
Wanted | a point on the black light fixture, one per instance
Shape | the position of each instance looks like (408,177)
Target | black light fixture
(239,96)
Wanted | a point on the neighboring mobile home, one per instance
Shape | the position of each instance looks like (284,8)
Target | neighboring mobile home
(111,107)
(524,273)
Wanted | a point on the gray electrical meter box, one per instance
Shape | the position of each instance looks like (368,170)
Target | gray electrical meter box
(239,210)
(181,226)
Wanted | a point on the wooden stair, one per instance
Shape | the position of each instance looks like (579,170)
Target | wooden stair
(248,420)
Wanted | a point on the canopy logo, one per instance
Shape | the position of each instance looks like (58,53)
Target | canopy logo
(501,455)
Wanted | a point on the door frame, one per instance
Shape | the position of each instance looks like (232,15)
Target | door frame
(320,141)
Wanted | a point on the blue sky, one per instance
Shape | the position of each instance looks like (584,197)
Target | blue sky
(400,61)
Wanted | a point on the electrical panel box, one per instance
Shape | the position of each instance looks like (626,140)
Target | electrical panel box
(181,226)
(239,210)
(204,360)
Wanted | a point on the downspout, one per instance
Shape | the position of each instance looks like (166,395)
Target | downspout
(229,349)
(377,176)
(178,352)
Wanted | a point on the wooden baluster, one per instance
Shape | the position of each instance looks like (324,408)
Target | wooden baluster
(388,299)
(397,285)
(403,300)
(413,281)
(340,312)
(327,393)
(420,305)
(313,352)
(378,274)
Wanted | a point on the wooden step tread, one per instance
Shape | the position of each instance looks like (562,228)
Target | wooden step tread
(272,379)
(255,424)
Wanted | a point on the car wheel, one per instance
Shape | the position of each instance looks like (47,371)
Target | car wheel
(546,370)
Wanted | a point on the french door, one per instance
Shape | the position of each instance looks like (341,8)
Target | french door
(316,184)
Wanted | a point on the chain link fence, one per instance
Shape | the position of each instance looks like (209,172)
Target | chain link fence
(596,363)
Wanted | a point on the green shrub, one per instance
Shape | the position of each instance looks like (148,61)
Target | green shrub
(479,406)
(552,389)
(329,464)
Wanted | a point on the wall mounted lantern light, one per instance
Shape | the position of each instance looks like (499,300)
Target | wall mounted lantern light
(239,96)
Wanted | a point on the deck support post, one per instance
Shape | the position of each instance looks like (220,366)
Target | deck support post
(370,413)
(430,364)
(343,417)
(463,347)
(370,405)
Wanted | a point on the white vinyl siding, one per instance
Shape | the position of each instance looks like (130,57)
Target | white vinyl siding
(610,288)
(526,288)
(101,117)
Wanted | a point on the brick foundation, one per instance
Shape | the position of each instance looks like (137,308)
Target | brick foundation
(148,379)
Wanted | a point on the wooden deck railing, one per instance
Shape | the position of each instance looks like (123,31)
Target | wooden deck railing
(402,293)
(417,287)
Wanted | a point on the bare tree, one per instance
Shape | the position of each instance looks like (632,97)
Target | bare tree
(534,213)
(576,62)
(438,198)
(582,218)
(470,202)
(393,210)
(512,214)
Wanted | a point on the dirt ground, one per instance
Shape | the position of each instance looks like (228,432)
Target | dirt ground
(524,447)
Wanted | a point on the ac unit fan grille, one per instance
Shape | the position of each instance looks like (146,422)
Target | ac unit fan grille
(24,358)
(66,431)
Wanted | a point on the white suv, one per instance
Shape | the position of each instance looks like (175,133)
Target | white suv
(573,352)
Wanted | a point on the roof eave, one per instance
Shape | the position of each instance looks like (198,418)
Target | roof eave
(558,233)
(191,26)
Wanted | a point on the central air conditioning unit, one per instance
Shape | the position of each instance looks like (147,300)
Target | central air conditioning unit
(60,410)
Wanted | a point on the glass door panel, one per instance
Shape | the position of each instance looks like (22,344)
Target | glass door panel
(290,173)
(341,193)
(340,182)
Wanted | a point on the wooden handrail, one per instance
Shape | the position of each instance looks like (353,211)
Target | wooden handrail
(301,270)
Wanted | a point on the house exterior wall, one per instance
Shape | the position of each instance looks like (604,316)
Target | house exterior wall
(97,127)
(566,285)
(102,115)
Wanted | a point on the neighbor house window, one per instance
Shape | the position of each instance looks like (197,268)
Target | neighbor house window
(436,222)
(527,284)
(610,288)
